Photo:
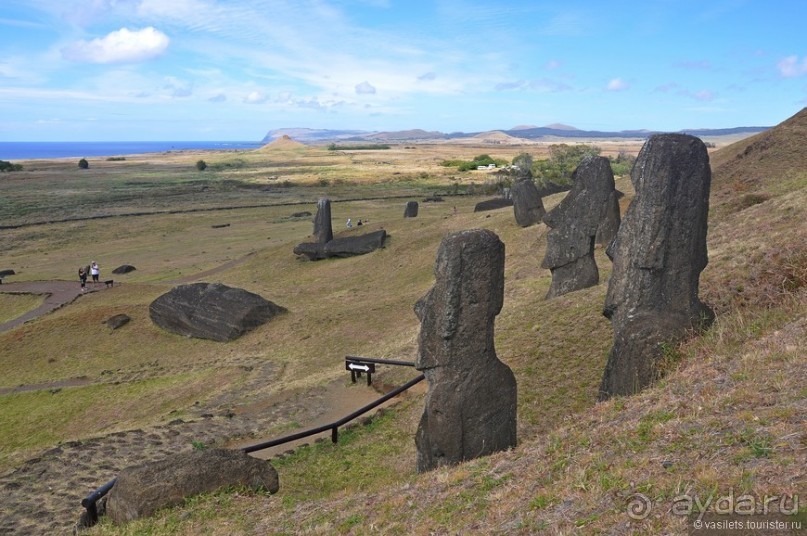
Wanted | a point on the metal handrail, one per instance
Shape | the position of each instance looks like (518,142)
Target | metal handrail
(89,502)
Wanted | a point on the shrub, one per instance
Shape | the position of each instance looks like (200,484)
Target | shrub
(83,164)
(201,165)
(8,166)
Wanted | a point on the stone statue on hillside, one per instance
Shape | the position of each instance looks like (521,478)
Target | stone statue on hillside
(323,229)
(658,254)
(471,403)
(527,205)
(574,225)
(411,210)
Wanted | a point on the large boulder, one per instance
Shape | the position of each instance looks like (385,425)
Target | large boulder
(573,227)
(411,210)
(140,491)
(346,246)
(323,229)
(658,254)
(211,311)
(470,408)
(527,204)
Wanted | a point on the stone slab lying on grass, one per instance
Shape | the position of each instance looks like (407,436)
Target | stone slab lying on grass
(142,490)
(124,269)
(348,246)
(493,204)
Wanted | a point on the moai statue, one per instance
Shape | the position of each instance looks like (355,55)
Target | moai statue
(658,254)
(471,402)
(323,230)
(411,210)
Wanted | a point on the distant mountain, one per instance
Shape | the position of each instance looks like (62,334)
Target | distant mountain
(560,126)
(528,132)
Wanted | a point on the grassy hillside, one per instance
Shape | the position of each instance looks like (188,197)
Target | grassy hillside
(728,417)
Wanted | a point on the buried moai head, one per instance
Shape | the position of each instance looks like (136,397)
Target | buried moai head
(459,310)
(470,407)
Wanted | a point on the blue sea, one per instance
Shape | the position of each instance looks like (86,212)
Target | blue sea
(26,150)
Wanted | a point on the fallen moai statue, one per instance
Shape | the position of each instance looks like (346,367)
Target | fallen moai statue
(658,254)
(470,408)
(141,490)
(346,246)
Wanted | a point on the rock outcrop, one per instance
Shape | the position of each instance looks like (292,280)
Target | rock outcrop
(471,402)
(211,311)
(574,223)
(658,254)
(142,490)
(323,229)
(124,269)
(527,204)
(411,210)
(346,246)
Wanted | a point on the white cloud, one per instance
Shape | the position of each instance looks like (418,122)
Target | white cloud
(617,84)
(256,97)
(365,88)
(120,46)
(220,97)
(790,67)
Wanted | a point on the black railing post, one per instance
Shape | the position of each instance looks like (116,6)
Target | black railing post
(335,434)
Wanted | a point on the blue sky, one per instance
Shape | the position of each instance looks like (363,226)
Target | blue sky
(86,70)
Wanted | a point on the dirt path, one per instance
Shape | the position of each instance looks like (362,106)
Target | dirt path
(57,294)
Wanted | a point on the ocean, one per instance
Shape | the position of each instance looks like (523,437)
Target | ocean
(27,150)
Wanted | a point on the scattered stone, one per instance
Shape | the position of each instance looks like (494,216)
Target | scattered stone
(573,227)
(433,199)
(471,402)
(142,490)
(4,273)
(658,254)
(493,204)
(527,204)
(211,311)
(118,321)
(303,214)
(347,246)
(323,230)
(220,225)
(124,269)
(411,210)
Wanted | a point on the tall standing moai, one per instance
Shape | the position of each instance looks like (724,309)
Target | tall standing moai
(323,229)
(471,402)
(528,207)
(575,223)
(658,254)
(411,210)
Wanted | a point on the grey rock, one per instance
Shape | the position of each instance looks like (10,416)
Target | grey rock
(527,204)
(470,408)
(118,321)
(574,224)
(659,253)
(124,269)
(142,490)
(411,210)
(5,273)
(211,311)
(323,229)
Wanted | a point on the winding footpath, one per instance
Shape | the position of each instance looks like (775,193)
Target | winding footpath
(57,294)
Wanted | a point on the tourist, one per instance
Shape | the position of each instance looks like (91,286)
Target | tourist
(349,223)
(95,271)
(359,222)
(82,276)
